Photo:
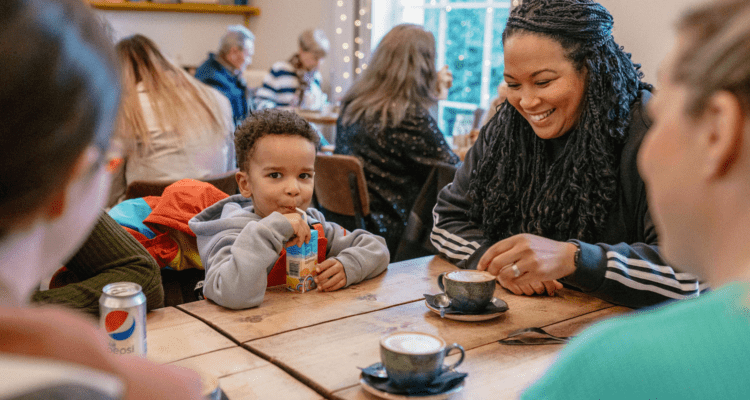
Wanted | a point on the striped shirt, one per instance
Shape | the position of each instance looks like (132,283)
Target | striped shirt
(281,85)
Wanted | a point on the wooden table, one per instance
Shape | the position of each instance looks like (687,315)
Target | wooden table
(321,338)
(177,338)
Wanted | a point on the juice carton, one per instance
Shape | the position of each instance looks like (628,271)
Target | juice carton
(300,264)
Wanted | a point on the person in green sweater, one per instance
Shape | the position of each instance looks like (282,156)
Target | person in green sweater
(110,254)
(695,161)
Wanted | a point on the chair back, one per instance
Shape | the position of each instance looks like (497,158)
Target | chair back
(340,186)
(415,241)
(226,182)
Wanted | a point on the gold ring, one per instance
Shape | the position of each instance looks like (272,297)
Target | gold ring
(516,271)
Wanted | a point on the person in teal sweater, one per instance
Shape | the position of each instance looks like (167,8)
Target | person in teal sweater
(695,161)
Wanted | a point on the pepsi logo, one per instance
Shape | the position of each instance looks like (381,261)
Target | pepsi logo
(119,324)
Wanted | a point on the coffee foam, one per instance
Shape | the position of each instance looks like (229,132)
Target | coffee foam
(470,276)
(413,343)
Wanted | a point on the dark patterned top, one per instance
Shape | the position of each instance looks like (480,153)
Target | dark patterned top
(396,162)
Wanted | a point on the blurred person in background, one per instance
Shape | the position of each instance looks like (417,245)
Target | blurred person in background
(54,177)
(296,82)
(223,70)
(386,123)
(171,126)
(695,161)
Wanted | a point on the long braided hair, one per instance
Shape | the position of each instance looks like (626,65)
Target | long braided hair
(516,188)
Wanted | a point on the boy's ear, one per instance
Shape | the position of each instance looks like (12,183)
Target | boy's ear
(243,182)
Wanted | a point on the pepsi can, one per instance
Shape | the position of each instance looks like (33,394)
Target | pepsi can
(122,308)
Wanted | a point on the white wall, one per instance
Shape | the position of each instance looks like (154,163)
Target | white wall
(188,38)
(646,29)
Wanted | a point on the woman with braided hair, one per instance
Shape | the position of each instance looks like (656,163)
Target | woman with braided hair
(550,191)
(696,349)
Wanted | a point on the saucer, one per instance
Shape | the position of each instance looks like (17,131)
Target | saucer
(492,311)
(390,396)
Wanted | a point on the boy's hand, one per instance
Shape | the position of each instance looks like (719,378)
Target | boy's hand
(301,230)
(330,275)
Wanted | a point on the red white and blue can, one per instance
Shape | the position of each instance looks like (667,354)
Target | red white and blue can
(122,308)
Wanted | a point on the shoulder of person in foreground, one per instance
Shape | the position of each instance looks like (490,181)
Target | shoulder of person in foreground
(110,254)
(362,254)
(238,249)
(679,350)
(57,334)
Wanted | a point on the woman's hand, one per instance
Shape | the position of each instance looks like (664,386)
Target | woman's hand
(330,275)
(538,261)
(301,230)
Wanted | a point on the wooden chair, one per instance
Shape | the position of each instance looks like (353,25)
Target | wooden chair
(225,182)
(415,241)
(340,186)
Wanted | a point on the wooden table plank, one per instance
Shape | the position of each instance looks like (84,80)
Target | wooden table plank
(499,371)
(326,356)
(267,382)
(173,335)
(224,362)
(243,375)
(283,311)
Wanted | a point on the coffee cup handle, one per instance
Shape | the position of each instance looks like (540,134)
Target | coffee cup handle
(460,360)
(440,281)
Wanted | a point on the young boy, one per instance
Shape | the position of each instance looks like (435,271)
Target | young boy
(240,238)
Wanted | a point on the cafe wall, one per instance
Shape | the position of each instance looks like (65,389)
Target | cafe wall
(646,29)
(187,38)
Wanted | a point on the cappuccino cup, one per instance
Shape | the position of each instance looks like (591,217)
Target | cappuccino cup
(469,290)
(415,359)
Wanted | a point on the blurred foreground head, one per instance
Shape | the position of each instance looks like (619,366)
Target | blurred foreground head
(58,99)
(701,130)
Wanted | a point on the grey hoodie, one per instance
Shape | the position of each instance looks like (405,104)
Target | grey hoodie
(238,249)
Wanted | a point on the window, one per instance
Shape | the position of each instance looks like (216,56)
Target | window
(468,36)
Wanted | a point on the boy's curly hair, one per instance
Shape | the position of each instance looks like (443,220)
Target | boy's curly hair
(269,122)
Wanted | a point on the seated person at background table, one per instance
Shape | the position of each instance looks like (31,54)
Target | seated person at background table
(110,254)
(696,164)
(240,238)
(171,126)
(385,122)
(296,82)
(223,71)
(53,185)
(550,190)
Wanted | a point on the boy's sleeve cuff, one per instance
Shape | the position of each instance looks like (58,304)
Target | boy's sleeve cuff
(590,269)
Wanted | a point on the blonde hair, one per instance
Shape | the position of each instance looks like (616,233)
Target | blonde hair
(716,55)
(314,41)
(400,74)
(180,102)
